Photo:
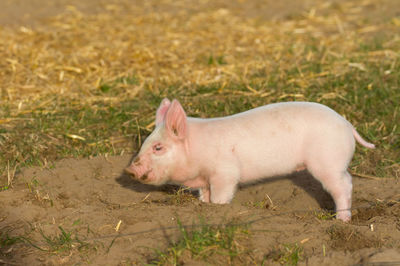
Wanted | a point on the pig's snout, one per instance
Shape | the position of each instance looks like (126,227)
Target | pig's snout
(131,170)
(138,170)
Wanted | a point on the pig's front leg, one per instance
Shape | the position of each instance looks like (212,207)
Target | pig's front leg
(223,186)
(205,194)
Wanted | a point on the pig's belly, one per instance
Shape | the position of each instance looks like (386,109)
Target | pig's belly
(272,159)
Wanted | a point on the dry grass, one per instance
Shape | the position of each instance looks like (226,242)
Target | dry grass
(70,85)
(74,54)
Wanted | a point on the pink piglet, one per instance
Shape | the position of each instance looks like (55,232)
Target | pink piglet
(214,155)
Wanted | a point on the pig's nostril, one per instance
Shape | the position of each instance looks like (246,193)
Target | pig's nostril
(144,177)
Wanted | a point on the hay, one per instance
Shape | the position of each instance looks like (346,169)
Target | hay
(126,52)
(73,54)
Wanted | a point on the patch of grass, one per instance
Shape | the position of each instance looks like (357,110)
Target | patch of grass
(6,240)
(120,83)
(70,131)
(288,254)
(87,106)
(209,243)
(265,203)
(367,99)
(372,44)
(324,215)
(62,243)
(262,204)
(216,60)
(39,194)
(33,184)
(5,187)
(8,244)
(181,196)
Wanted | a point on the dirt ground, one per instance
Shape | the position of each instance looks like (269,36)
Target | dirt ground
(124,221)
(91,196)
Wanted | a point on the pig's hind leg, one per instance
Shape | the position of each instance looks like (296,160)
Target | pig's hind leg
(328,157)
(338,184)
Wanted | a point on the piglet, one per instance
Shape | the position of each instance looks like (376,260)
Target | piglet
(214,155)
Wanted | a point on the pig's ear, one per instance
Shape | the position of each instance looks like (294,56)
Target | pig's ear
(175,120)
(162,110)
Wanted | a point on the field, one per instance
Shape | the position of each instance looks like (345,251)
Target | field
(79,86)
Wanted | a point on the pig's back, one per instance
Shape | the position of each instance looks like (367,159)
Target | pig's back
(273,139)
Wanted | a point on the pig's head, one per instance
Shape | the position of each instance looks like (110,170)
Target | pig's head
(163,153)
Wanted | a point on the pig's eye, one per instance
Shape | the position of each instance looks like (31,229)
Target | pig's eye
(157,147)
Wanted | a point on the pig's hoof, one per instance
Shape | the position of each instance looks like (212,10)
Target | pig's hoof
(345,216)
(204,200)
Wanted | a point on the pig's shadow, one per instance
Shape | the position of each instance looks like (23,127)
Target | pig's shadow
(305,181)
(301,179)
(126,181)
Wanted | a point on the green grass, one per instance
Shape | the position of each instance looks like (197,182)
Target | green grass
(70,131)
(288,254)
(324,215)
(355,77)
(8,243)
(216,60)
(369,99)
(63,242)
(6,240)
(207,243)
(113,87)
(265,203)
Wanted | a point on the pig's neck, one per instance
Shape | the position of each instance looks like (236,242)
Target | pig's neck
(190,171)
(199,143)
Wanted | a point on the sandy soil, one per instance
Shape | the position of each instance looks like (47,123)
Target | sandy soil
(90,197)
